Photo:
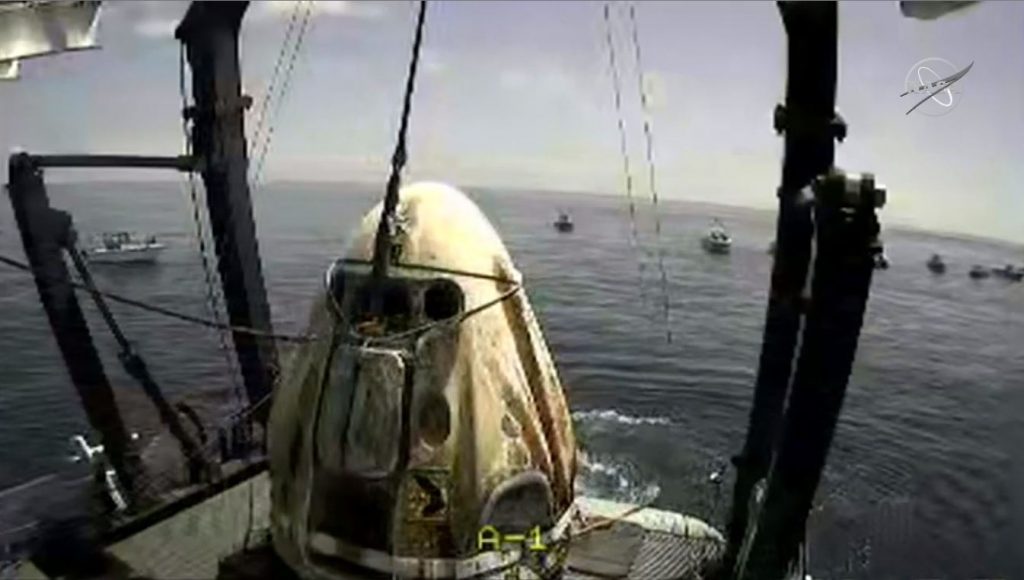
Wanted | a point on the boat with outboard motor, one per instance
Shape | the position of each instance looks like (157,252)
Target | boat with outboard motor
(717,240)
(936,265)
(1008,272)
(979,272)
(564,223)
(124,248)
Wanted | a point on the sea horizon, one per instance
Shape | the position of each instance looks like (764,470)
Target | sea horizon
(363,185)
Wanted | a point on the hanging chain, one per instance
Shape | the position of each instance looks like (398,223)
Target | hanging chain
(213,301)
(649,140)
(269,135)
(624,150)
(386,229)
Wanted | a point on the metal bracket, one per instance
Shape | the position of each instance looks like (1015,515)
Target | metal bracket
(852,190)
(795,122)
(221,108)
(95,456)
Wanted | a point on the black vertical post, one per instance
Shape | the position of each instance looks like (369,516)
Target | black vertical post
(808,120)
(847,241)
(44,233)
(210,34)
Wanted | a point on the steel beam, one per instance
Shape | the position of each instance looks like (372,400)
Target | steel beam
(210,34)
(44,233)
(181,162)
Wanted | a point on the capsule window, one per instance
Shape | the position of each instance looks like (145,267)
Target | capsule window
(442,300)
(396,302)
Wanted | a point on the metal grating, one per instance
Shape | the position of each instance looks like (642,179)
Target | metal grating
(667,556)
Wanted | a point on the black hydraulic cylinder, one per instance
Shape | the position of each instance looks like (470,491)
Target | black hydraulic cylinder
(846,245)
(809,123)
(210,34)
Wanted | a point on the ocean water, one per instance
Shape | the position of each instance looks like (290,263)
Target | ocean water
(920,481)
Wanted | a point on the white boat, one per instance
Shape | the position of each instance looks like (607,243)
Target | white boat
(123,248)
(717,240)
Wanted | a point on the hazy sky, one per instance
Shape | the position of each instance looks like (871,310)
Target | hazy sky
(517,94)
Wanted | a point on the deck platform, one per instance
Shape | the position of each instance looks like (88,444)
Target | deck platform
(226,535)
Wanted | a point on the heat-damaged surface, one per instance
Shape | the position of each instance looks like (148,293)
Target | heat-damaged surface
(408,415)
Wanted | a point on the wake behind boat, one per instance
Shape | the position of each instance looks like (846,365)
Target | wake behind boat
(124,248)
(717,239)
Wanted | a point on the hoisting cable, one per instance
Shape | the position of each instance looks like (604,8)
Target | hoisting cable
(386,229)
(261,115)
(649,140)
(284,337)
(114,297)
(286,83)
(624,151)
(196,455)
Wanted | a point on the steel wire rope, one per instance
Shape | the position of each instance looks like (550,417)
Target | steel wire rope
(285,85)
(268,94)
(624,151)
(649,141)
(386,228)
(213,298)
